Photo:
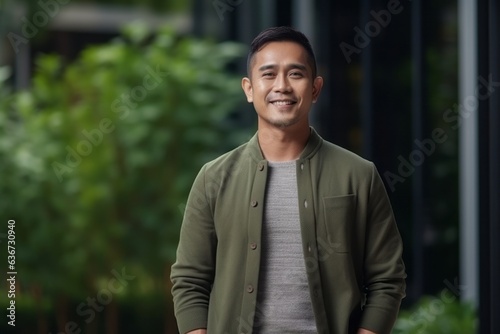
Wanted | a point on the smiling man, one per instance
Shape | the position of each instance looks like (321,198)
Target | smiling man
(287,233)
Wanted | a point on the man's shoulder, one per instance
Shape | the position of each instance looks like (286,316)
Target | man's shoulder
(227,160)
(343,157)
(344,165)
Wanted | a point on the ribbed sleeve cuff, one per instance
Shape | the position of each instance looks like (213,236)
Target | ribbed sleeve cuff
(191,318)
(378,320)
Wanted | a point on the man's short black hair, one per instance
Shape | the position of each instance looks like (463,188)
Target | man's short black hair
(281,34)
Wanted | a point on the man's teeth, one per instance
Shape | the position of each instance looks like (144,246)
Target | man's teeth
(282,103)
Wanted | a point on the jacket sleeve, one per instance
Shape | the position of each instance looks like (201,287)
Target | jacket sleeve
(193,272)
(384,270)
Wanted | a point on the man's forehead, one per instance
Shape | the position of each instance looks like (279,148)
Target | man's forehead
(279,52)
(281,46)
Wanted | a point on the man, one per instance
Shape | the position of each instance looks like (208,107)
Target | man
(287,233)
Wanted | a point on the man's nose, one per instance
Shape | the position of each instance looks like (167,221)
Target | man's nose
(282,84)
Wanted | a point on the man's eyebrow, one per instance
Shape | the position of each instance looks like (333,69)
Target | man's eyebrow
(267,67)
(298,67)
(290,66)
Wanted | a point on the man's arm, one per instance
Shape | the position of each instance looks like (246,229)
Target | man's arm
(193,272)
(384,270)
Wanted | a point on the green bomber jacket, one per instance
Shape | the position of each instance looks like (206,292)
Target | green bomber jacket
(351,244)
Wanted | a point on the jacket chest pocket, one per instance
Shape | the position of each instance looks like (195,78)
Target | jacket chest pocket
(339,216)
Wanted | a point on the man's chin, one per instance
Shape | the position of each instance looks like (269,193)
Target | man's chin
(283,124)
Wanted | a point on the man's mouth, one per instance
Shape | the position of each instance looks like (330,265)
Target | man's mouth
(281,103)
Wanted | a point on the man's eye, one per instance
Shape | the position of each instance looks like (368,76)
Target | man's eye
(296,74)
(267,74)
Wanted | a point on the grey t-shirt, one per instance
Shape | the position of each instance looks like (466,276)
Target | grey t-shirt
(283,300)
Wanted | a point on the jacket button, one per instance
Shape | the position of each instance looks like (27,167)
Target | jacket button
(253,246)
(305,203)
(254,203)
(249,289)
(309,248)
(261,167)
(301,166)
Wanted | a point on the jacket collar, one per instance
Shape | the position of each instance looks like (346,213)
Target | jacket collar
(313,144)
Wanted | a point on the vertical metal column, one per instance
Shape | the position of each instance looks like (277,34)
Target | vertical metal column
(418,121)
(468,151)
(483,148)
(198,16)
(494,57)
(367,87)
(303,18)
(268,13)
(248,21)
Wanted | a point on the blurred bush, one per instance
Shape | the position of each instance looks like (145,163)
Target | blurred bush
(97,159)
(433,315)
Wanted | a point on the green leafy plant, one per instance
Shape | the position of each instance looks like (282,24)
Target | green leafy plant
(97,159)
(432,315)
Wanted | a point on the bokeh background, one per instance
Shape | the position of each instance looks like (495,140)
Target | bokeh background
(108,108)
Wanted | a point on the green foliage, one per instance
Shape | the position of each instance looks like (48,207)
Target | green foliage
(97,158)
(432,315)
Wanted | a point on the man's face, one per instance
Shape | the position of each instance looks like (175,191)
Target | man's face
(281,86)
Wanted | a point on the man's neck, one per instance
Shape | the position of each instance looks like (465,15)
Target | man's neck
(283,144)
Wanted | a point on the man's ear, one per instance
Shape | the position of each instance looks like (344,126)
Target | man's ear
(246,84)
(317,85)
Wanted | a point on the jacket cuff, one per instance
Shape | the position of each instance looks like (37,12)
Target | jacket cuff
(378,320)
(191,318)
